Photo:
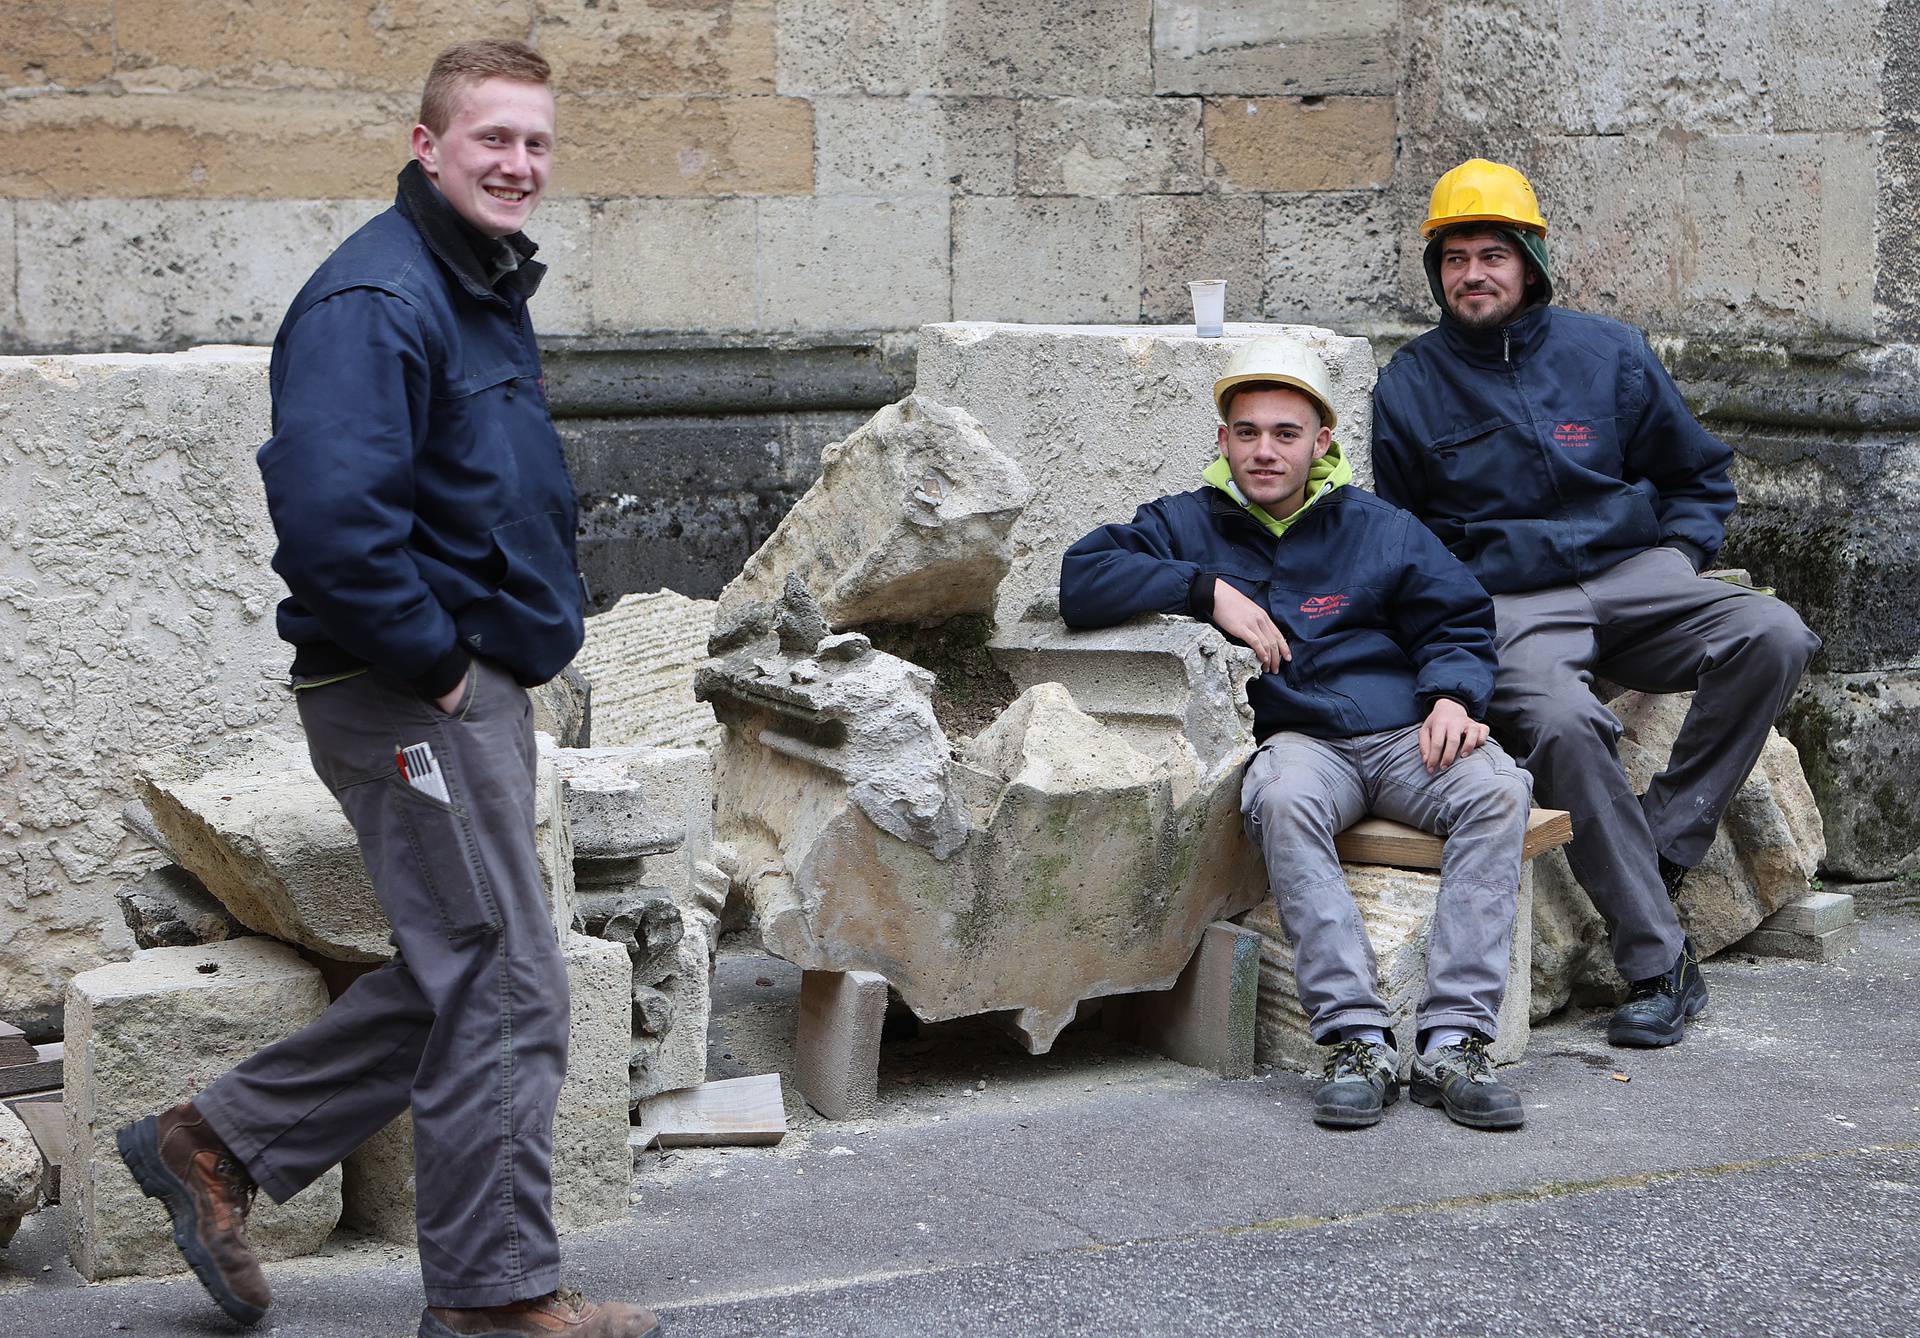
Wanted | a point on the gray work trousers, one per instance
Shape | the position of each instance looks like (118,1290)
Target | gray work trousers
(1649,623)
(466,1023)
(1300,792)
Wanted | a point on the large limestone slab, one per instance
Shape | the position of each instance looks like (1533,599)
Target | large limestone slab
(640,656)
(137,616)
(1102,418)
(1396,906)
(1769,846)
(267,839)
(592,1164)
(149,1033)
(1047,861)
(908,523)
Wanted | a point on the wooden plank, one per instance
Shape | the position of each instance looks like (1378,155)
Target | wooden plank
(15,1048)
(42,1075)
(731,1112)
(1383,841)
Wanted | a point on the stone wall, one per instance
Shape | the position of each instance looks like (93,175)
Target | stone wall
(136,615)
(782,168)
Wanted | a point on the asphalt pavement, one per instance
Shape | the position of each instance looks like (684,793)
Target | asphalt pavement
(1762,1177)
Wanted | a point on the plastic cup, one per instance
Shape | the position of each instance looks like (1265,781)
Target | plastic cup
(1209,306)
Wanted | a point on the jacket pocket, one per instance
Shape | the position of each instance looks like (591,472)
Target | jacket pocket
(421,850)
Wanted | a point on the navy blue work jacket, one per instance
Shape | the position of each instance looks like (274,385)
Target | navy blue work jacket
(1380,618)
(1548,451)
(416,482)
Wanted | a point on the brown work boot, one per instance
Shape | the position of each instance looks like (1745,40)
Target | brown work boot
(178,1159)
(564,1312)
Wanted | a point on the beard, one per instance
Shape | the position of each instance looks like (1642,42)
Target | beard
(1487,318)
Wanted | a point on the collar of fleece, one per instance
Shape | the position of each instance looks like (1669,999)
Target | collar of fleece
(1330,471)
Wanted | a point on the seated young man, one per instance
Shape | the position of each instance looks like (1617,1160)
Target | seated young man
(1376,647)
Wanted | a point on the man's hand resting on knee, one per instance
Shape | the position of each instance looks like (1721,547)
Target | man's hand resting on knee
(1448,734)
(1244,620)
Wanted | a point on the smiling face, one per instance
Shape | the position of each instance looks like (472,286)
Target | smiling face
(1484,277)
(492,160)
(1271,439)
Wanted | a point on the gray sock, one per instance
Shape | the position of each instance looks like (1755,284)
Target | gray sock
(1441,1037)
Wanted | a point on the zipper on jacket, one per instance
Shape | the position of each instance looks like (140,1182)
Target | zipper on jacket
(1506,345)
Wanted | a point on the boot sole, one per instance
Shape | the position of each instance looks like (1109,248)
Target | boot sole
(1648,1038)
(1430,1095)
(433,1328)
(140,1150)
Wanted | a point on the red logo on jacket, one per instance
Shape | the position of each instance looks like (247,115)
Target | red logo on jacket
(1319,606)
(1573,434)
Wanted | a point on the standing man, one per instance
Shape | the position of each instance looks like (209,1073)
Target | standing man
(1552,453)
(1376,651)
(426,528)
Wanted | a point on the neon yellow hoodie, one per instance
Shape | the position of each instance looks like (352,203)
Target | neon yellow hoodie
(1328,472)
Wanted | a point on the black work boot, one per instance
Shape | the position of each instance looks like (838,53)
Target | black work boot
(177,1158)
(1362,1081)
(1459,1079)
(1657,1010)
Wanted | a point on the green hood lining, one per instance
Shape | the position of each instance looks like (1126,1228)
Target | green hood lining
(1330,471)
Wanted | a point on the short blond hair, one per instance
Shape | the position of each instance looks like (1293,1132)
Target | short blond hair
(467,63)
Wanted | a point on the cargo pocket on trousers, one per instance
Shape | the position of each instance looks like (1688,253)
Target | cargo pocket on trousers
(421,856)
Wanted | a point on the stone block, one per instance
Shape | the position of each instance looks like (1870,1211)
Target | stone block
(640,656)
(659,46)
(908,523)
(159,637)
(1107,146)
(671,146)
(1396,907)
(1299,144)
(836,1046)
(10,336)
(1253,47)
(298,145)
(150,1033)
(852,263)
(1044,862)
(1821,948)
(1769,845)
(168,908)
(1815,913)
(1330,257)
(1208,1019)
(910,145)
(22,1174)
(266,838)
(676,1058)
(1025,48)
(1137,399)
(564,305)
(1173,687)
(563,708)
(1855,733)
(1046,259)
(118,274)
(666,264)
(592,1164)
(183,43)
(1842,560)
(1186,237)
(64,43)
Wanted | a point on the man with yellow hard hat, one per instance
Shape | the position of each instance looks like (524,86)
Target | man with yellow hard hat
(1377,654)
(1551,452)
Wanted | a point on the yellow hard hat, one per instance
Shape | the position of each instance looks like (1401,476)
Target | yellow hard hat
(1286,361)
(1478,191)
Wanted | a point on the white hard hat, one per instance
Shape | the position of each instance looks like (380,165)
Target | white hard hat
(1286,361)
